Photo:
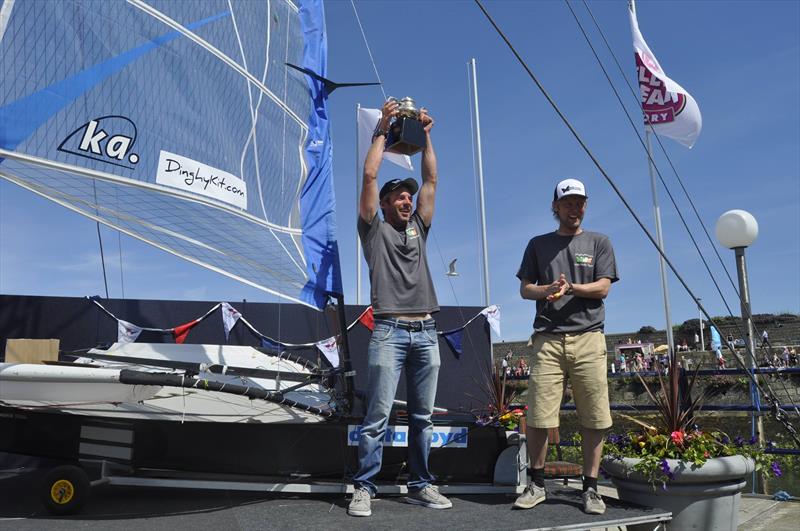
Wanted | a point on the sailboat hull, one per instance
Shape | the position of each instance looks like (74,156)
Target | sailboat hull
(288,450)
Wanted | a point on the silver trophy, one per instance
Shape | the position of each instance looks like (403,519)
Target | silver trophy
(406,134)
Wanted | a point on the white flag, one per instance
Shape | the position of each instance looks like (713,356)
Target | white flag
(492,314)
(229,317)
(668,109)
(127,332)
(330,348)
(367,120)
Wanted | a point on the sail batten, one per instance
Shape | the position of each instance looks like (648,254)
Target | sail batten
(143,119)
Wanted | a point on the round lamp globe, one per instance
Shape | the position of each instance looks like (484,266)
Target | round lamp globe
(737,228)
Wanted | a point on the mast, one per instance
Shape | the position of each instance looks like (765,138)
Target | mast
(358,199)
(479,171)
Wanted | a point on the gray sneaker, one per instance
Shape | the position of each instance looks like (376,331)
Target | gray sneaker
(429,497)
(593,503)
(359,504)
(530,497)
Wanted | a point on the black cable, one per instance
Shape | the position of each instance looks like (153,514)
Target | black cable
(740,329)
(771,398)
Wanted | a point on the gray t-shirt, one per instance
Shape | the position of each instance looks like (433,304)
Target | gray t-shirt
(584,258)
(400,281)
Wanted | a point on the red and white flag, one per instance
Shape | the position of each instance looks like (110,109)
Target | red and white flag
(330,348)
(229,317)
(668,109)
(127,332)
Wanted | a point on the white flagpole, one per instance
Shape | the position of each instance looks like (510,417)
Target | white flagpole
(479,170)
(660,239)
(662,270)
(358,209)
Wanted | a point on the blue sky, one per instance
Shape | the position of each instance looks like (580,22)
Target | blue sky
(740,60)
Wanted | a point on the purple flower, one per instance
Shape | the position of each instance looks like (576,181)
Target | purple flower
(738,440)
(665,469)
(771,444)
(725,439)
(753,440)
(776,469)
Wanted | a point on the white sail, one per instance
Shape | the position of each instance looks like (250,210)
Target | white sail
(178,123)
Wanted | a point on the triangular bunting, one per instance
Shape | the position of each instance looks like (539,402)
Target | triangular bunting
(269,344)
(453,338)
(180,332)
(492,314)
(330,348)
(229,317)
(127,332)
(367,319)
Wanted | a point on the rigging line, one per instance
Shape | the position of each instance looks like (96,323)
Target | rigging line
(100,238)
(649,155)
(666,155)
(746,311)
(253,111)
(458,304)
(777,411)
(194,37)
(369,51)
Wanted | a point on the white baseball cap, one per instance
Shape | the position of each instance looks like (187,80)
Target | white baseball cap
(569,187)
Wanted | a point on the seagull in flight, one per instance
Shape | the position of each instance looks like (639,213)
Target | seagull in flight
(451,269)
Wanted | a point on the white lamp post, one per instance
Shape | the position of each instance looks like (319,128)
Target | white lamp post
(737,229)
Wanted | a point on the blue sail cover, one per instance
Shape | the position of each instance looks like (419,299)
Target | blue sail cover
(178,123)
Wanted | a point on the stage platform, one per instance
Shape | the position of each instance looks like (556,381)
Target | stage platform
(125,507)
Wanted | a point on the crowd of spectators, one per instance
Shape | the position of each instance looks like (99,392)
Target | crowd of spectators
(515,371)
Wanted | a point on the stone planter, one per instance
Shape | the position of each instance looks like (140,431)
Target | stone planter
(703,499)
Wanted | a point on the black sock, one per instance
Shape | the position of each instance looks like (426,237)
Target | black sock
(537,476)
(589,483)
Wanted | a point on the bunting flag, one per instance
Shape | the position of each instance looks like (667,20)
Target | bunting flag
(367,319)
(180,332)
(668,108)
(269,344)
(127,332)
(330,348)
(367,121)
(453,338)
(492,314)
(229,317)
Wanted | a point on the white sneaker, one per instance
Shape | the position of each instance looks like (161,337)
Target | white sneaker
(429,497)
(530,497)
(359,504)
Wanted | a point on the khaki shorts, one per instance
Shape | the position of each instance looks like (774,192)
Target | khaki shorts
(582,358)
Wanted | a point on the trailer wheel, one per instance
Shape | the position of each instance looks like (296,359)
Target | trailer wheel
(65,489)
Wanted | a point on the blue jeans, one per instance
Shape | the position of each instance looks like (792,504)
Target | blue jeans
(392,347)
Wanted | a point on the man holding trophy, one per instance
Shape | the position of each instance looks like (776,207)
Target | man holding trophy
(403,299)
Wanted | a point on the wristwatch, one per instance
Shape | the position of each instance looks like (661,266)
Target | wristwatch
(380,132)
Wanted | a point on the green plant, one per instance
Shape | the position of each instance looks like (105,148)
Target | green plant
(501,395)
(676,434)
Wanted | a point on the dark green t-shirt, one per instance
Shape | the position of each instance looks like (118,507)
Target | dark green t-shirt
(400,281)
(584,258)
